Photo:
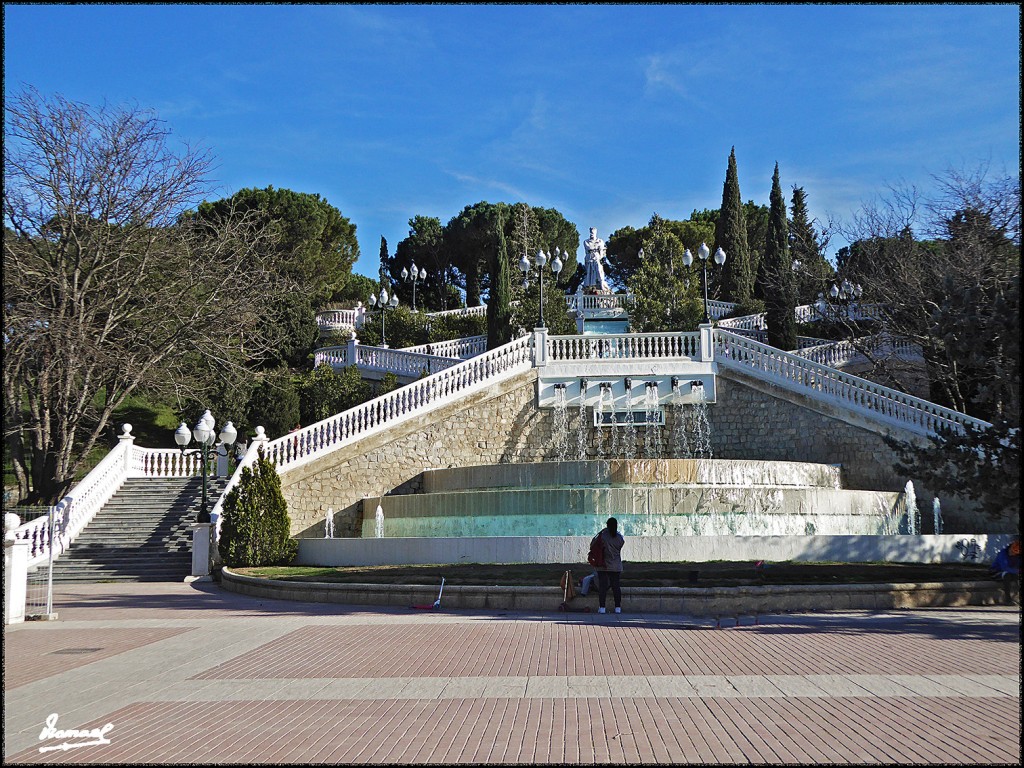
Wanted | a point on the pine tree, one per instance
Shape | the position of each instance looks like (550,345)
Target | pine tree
(255,529)
(776,275)
(499,311)
(731,236)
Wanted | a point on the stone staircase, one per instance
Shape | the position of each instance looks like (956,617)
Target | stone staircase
(141,534)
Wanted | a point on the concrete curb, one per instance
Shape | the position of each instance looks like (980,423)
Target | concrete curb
(691,601)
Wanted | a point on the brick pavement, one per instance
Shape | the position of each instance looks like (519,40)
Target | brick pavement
(189,673)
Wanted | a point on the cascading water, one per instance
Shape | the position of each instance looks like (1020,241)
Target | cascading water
(680,430)
(581,424)
(329,524)
(629,432)
(379,522)
(937,514)
(560,425)
(651,431)
(910,507)
(614,451)
(702,428)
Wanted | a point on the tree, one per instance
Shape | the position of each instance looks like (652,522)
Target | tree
(324,392)
(108,287)
(624,245)
(274,404)
(812,271)
(424,247)
(466,236)
(957,296)
(316,245)
(731,236)
(499,312)
(666,295)
(776,274)
(385,280)
(256,529)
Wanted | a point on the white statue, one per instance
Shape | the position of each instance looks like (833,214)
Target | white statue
(594,247)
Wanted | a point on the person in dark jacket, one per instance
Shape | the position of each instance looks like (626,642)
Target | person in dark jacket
(612,543)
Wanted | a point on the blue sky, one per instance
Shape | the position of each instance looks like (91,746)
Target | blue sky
(607,113)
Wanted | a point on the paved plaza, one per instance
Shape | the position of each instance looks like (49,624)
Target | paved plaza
(191,673)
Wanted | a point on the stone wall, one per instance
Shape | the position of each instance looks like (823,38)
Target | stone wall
(751,420)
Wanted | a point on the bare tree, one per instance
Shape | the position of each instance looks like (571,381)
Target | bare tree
(109,284)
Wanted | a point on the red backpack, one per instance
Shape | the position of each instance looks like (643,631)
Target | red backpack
(596,555)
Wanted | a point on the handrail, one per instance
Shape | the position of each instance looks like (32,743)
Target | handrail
(580,302)
(460,349)
(845,351)
(74,511)
(886,405)
(469,311)
(336,357)
(624,346)
(298,448)
(337,319)
(400,362)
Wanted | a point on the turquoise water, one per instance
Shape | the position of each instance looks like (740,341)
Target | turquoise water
(598,327)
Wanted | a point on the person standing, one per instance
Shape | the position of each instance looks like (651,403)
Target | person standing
(611,572)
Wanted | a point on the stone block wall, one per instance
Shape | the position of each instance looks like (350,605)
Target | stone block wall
(751,420)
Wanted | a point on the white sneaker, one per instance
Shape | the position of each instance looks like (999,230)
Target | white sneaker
(600,610)
(618,610)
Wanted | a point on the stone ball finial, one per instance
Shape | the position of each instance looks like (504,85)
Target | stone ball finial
(126,429)
(261,433)
(352,336)
(11,521)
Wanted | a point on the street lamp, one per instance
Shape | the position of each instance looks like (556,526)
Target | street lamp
(205,436)
(540,260)
(414,275)
(703,252)
(384,304)
(846,293)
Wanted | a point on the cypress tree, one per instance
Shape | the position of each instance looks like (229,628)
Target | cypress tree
(731,236)
(777,274)
(499,304)
(814,273)
(385,281)
(256,528)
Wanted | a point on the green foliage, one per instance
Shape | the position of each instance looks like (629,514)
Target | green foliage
(731,236)
(274,404)
(324,392)
(316,246)
(624,245)
(812,272)
(256,529)
(558,319)
(291,324)
(425,248)
(357,290)
(667,296)
(468,237)
(402,327)
(499,312)
(449,327)
(776,274)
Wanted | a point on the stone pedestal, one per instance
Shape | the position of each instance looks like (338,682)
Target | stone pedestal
(15,580)
(202,534)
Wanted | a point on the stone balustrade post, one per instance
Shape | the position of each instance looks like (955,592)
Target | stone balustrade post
(360,315)
(15,572)
(202,538)
(127,439)
(350,349)
(540,347)
(707,352)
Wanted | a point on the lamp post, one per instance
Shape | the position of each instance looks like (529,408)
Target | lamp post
(206,438)
(384,304)
(846,293)
(541,260)
(414,275)
(703,252)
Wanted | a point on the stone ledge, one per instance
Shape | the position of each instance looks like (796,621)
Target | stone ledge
(691,601)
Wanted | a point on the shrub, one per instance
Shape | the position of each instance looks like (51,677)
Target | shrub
(255,529)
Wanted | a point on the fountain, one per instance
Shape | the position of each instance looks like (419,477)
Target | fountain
(629,431)
(680,433)
(910,506)
(652,429)
(378,528)
(702,428)
(560,425)
(937,515)
(329,524)
(581,423)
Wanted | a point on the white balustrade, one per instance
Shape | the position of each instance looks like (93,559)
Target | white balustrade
(796,373)
(459,349)
(297,448)
(339,319)
(717,309)
(645,346)
(462,311)
(582,302)
(400,362)
(336,357)
(845,352)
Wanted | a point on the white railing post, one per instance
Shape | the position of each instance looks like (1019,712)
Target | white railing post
(350,348)
(15,571)
(127,440)
(707,352)
(540,347)
(360,315)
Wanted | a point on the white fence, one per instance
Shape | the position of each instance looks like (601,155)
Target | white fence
(645,346)
(838,353)
(460,349)
(584,302)
(339,319)
(797,374)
